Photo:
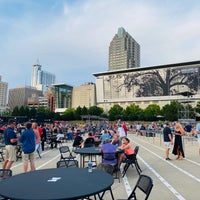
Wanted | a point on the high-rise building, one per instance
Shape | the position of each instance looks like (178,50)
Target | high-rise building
(124,51)
(63,97)
(84,95)
(41,79)
(3,95)
(19,96)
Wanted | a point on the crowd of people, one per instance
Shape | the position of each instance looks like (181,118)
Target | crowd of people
(111,137)
(177,131)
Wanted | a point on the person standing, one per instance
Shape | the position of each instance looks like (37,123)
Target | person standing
(28,139)
(178,146)
(43,137)
(198,134)
(11,143)
(37,135)
(168,139)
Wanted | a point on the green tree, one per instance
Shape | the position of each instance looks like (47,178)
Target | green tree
(41,115)
(115,112)
(22,111)
(197,108)
(95,110)
(132,112)
(33,113)
(170,111)
(84,111)
(15,111)
(151,111)
(78,113)
(69,114)
(27,111)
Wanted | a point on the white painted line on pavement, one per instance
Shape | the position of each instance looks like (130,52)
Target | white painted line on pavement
(126,183)
(162,149)
(178,195)
(22,162)
(170,163)
(46,163)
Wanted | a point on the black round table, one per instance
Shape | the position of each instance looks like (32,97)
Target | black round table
(88,151)
(56,184)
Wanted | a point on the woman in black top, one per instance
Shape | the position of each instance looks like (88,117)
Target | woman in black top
(178,146)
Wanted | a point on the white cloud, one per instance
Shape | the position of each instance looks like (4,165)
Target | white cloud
(72,40)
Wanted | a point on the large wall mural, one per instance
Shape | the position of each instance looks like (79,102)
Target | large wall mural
(156,82)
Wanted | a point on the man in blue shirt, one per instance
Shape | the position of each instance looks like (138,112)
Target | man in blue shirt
(28,147)
(168,139)
(11,143)
(109,151)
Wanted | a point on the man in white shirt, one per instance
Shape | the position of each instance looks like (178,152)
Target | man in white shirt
(121,131)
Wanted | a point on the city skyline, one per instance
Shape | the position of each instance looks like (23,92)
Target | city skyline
(71,38)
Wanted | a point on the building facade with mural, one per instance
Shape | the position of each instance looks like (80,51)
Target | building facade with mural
(147,85)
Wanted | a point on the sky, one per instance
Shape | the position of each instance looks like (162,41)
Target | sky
(71,38)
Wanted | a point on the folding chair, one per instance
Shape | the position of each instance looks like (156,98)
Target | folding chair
(110,170)
(5,173)
(66,155)
(67,163)
(145,184)
(109,157)
(1,154)
(132,160)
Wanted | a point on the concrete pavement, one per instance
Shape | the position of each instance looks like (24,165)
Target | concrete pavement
(175,179)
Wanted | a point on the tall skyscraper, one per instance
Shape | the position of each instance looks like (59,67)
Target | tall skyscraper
(124,51)
(3,95)
(41,79)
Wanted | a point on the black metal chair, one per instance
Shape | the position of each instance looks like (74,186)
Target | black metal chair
(110,170)
(4,174)
(145,184)
(112,156)
(132,161)
(1,154)
(66,155)
(67,163)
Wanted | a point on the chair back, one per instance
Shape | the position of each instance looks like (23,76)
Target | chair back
(145,184)
(136,150)
(64,149)
(5,173)
(109,158)
(106,168)
(65,153)
(67,163)
(89,142)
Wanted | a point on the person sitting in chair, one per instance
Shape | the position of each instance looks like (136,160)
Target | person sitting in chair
(77,140)
(128,150)
(89,141)
(108,150)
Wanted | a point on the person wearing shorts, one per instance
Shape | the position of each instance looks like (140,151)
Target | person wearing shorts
(11,143)
(168,139)
(198,134)
(28,139)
